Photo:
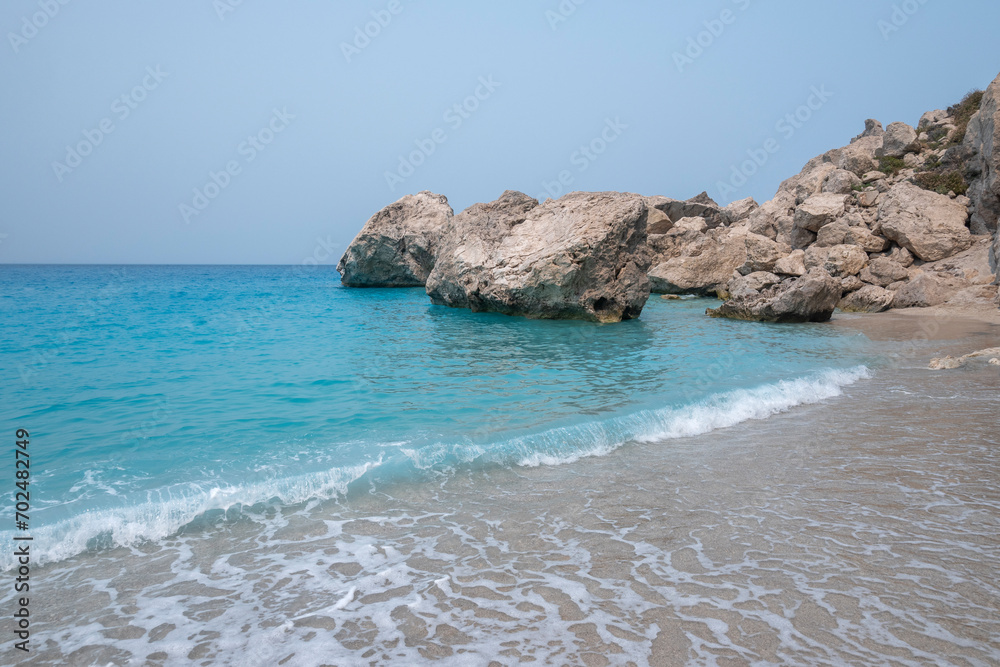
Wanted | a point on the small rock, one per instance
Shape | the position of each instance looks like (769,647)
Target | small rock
(873,176)
(869,197)
(851,284)
(949,362)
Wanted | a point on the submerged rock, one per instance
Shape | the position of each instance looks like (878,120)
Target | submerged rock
(809,298)
(396,247)
(582,256)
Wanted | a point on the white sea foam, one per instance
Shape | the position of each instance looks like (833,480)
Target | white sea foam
(165,512)
(570,444)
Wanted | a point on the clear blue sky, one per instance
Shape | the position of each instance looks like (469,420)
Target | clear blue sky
(200,78)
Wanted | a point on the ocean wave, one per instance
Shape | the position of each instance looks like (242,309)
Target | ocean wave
(165,513)
(599,438)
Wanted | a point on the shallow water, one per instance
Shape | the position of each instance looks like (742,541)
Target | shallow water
(156,394)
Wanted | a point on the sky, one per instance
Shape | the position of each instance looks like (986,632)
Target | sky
(256,132)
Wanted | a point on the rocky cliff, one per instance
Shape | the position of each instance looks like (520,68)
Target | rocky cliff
(900,217)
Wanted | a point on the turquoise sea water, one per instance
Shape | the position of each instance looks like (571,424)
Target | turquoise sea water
(158,396)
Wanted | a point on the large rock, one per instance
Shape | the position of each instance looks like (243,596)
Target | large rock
(922,291)
(841,233)
(838,260)
(705,266)
(792,265)
(658,222)
(583,256)
(983,140)
(749,284)
(740,210)
(930,225)
(701,206)
(761,253)
(859,157)
(883,272)
(841,182)
(810,298)
(899,140)
(396,247)
(819,210)
(868,299)
(671,244)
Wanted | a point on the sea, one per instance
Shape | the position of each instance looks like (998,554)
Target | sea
(257,466)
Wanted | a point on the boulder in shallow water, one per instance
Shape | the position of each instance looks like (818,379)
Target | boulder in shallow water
(809,298)
(582,256)
(396,247)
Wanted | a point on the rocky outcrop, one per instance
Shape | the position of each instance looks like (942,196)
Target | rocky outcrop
(583,256)
(929,225)
(809,298)
(396,247)
(982,139)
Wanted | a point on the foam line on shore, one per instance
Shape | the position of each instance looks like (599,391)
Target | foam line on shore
(165,512)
